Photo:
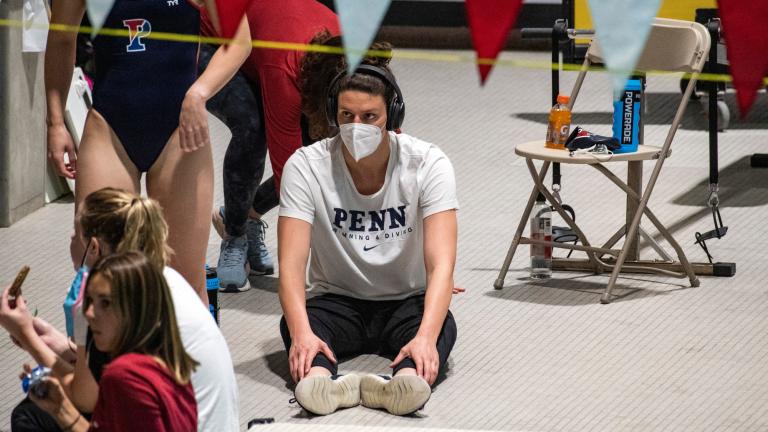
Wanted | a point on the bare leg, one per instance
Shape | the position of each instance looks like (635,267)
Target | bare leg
(183,184)
(101,162)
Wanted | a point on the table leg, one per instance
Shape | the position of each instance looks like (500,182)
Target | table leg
(635,182)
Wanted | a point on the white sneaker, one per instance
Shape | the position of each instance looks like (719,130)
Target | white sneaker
(323,395)
(400,395)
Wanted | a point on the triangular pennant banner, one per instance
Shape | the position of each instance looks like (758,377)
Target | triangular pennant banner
(621,28)
(489,23)
(98,11)
(359,21)
(745,39)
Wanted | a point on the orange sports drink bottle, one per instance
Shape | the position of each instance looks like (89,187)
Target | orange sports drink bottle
(559,123)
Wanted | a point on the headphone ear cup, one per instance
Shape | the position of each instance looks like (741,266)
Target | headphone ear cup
(395,114)
(330,110)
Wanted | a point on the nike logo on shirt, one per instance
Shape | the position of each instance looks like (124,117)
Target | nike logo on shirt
(366,248)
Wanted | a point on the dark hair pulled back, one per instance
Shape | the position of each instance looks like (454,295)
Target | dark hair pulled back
(319,69)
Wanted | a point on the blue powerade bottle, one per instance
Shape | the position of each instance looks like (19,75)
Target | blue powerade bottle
(626,117)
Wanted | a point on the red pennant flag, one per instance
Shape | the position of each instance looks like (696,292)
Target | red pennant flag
(745,39)
(489,24)
(226,15)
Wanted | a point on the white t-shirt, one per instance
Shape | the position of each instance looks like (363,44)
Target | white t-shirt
(367,246)
(214,379)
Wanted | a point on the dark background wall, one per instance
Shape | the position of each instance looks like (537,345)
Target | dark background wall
(443,24)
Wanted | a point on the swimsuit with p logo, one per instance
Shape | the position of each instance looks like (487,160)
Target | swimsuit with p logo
(140,80)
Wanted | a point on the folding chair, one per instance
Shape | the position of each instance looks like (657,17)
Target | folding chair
(674,46)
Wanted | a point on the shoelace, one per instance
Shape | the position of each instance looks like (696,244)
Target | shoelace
(233,255)
(261,232)
(262,229)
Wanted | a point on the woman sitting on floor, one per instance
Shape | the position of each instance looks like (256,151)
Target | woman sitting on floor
(146,386)
(112,220)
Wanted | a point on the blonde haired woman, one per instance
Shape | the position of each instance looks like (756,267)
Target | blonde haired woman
(119,221)
(147,384)
(115,221)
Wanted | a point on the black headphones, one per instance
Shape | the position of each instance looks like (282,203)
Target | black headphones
(395,107)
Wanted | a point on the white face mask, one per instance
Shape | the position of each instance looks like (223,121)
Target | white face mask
(361,139)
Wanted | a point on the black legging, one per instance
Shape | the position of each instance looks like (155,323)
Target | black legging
(239,106)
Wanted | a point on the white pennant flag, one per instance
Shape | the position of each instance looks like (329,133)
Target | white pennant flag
(359,21)
(98,11)
(621,28)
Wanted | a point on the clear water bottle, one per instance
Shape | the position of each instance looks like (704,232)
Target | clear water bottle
(541,229)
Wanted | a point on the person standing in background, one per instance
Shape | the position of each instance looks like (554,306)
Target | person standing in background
(262,107)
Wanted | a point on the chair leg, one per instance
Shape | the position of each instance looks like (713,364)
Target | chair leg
(656,222)
(614,238)
(694,280)
(655,245)
(606,298)
(499,283)
(643,202)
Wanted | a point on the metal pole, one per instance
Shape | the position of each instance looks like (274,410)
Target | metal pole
(714,34)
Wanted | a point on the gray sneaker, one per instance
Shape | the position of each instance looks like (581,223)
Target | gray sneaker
(322,395)
(400,395)
(258,255)
(231,268)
